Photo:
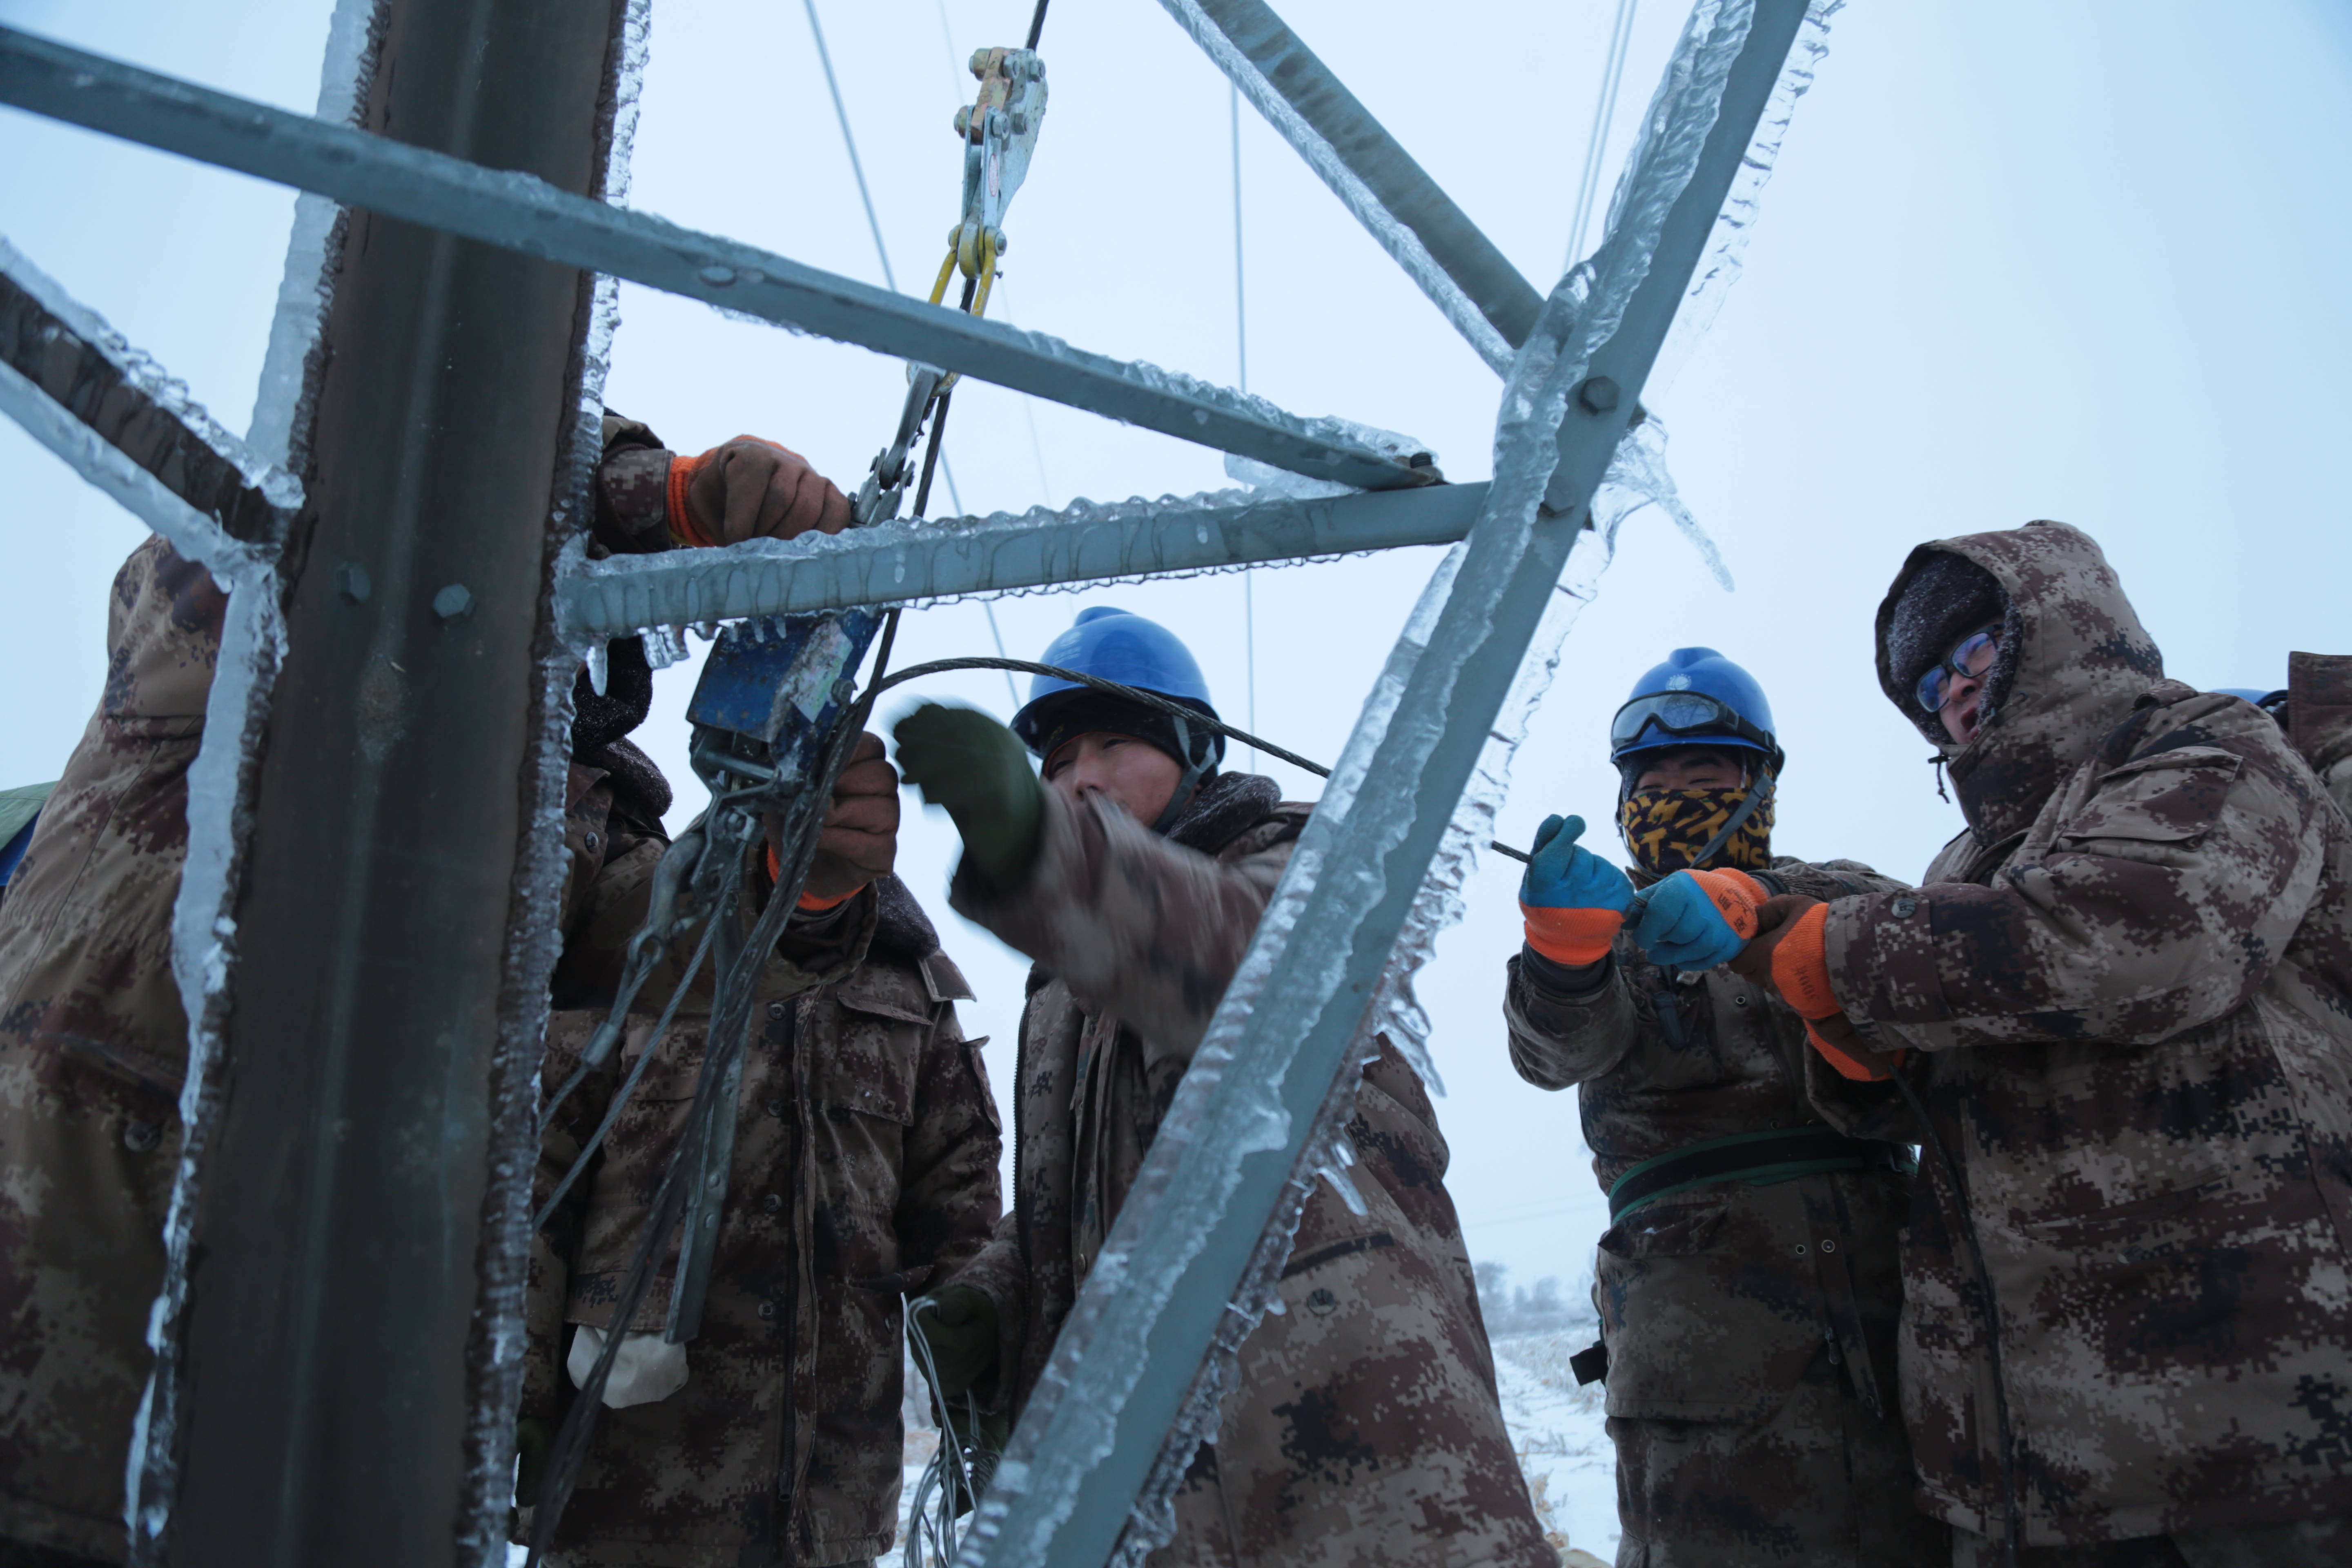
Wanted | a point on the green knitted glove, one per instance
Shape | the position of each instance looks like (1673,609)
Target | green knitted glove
(979,770)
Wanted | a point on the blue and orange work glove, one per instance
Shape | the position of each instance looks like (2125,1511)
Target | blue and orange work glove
(1790,953)
(1574,901)
(1696,920)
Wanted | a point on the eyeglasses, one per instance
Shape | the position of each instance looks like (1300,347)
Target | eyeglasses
(1677,714)
(1971,658)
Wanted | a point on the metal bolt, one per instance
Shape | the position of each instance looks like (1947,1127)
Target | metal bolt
(773,1203)
(1598,394)
(717,276)
(844,689)
(352,581)
(775,1009)
(453,602)
(141,1136)
(1829,1246)
(767,1308)
(1904,908)
(775,1108)
(1321,1302)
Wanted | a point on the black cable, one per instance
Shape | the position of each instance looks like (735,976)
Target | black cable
(1132,694)
(1036,24)
(2012,1527)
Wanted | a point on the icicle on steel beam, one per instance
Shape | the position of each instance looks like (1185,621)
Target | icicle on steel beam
(1135,1353)
(220,785)
(921,559)
(517,211)
(113,414)
(342,1365)
(1469,280)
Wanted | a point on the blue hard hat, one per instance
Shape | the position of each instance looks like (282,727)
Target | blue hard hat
(1114,645)
(2271,702)
(1698,698)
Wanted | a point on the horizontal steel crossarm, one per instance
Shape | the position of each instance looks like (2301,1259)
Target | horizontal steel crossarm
(1234,1145)
(520,213)
(1408,213)
(901,563)
(119,422)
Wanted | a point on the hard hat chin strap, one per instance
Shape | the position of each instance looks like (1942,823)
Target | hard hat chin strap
(1196,755)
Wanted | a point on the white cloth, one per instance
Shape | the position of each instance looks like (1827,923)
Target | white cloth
(646,1369)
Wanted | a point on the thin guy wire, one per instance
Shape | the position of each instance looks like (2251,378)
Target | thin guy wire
(1613,73)
(1241,365)
(824,58)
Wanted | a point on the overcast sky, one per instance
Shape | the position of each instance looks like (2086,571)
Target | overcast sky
(2018,260)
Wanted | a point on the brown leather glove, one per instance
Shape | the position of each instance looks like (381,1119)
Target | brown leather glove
(1785,955)
(859,840)
(750,489)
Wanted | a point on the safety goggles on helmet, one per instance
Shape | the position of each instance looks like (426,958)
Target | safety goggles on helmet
(1683,718)
(1971,658)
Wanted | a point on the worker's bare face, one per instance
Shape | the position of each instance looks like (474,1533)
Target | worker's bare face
(1692,767)
(1136,775)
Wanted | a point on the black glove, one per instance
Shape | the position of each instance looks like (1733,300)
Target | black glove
(967,762)
(534,1445)
(959,1324)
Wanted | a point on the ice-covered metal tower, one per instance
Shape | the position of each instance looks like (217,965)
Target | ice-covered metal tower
(339,1337)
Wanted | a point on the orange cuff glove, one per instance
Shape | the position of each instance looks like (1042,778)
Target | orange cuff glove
(683,528)
(1573,937)
(1736,895)
(810,903)
(1800,972)
(681,522)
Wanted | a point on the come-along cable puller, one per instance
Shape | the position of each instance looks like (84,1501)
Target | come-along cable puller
(775,718)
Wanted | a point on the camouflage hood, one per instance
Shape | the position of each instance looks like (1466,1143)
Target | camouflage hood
(2082,660)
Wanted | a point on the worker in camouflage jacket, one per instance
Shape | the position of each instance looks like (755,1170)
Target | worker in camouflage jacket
(1363,1426)
(93,1040)
(863,1167)
(1748,1284)
(2124,997)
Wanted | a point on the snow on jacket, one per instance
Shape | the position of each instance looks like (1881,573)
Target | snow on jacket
(1772,1309)
(864,1166)
(1364,1428)
(2131,982)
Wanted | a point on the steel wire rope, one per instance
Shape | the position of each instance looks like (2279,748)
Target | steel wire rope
(729,1024)
(1133,694)
(627,1089)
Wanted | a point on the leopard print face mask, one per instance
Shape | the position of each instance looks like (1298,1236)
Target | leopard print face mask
(1666,828)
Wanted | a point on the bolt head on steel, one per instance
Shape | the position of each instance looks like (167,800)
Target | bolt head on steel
(453,602)
(1598,395)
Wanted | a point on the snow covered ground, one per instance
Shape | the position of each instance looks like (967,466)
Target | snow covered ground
(1557,1429)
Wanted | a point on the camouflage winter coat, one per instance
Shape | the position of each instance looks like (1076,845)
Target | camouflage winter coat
(93,1040)
(1365,1427)
(1764,1311)
(865,1166)
(2127,991)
